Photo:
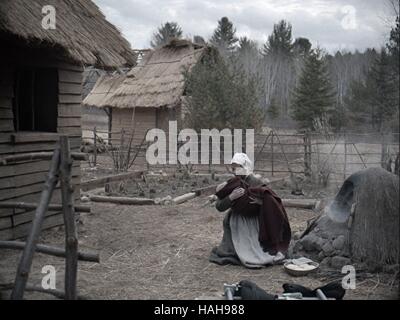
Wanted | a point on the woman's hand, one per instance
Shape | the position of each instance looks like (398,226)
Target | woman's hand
(255,200)
(221,186)
(236,194)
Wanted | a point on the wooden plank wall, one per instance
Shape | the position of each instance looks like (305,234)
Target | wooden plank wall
(145,119)
(24,181)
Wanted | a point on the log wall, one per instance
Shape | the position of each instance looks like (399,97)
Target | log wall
(24,181)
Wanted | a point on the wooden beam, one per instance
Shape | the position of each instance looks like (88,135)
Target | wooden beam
(91,184)
(300,203)
(70,77)
(6,125)
(25,137)
(12,149)
(56,293)
(69,110)
(184,198)
(206,190)
(69,98)
(70,88)
(38,156)
(69,122)
(33,206)
(52,251)
(123,200)
(71,131)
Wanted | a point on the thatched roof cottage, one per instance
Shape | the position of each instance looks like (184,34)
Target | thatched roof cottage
(154,89)
(41,91)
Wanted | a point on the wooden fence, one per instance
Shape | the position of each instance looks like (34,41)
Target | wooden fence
(333,156)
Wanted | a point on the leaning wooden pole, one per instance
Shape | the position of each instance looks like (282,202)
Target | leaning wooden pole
(27,256)
(71,237)
(53,251)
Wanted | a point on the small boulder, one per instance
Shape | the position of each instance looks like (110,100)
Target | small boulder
(298,247)
(308,242)
(327,248)
(321,256)
(312,242)
(339,242)
(325,263)
(339,261)
(297,235)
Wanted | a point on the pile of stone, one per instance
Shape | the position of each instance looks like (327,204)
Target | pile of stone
(360,225)
(326,243)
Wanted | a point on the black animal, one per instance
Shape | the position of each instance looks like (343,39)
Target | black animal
(293,288)
(332,290)
(250,291)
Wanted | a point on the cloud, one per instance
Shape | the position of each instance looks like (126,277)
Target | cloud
(331,24)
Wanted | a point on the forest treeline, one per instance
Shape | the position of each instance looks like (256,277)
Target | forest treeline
(287,82)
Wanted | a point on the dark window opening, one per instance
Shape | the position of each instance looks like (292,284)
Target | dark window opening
(36,100)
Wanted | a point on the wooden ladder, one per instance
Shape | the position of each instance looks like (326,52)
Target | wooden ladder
(60,171)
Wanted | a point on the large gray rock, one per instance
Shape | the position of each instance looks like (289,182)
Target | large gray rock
(325,263)
(339,243)
(339,261)
(327,248)
(296,235)
(321,256)
(312,242)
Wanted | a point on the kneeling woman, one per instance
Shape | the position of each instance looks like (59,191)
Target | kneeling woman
(256,228)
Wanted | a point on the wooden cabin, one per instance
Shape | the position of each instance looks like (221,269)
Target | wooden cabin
(41,93)
(151,94)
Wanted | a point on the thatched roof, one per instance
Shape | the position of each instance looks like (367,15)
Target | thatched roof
(158,80)
(103,90)
(82,32)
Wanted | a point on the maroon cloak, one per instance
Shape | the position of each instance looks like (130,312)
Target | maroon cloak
(274,228)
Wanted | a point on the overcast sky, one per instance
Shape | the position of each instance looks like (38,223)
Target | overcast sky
(331,24)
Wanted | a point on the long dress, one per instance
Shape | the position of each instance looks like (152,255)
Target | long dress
(240,244)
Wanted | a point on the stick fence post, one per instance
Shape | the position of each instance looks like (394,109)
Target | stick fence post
(95,146)
(272,153)
(71,237)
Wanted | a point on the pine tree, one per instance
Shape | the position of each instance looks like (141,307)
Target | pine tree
(218,97)
(165,33)
(385,95)
(224,37)
(314,96)
(280,72)
(280,41)
(273,110)
(394,43)
(375,101)
(247,46)
(301,47)
(247,57)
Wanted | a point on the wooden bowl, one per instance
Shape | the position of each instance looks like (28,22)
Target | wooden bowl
(300,270)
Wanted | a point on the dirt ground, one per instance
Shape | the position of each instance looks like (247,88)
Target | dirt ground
(161,252)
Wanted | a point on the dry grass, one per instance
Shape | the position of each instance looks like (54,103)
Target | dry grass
(161,252)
